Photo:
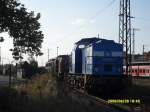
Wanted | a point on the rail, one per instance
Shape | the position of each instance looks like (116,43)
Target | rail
(102,102)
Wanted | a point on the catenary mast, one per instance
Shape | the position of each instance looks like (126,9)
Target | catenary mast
(125,31)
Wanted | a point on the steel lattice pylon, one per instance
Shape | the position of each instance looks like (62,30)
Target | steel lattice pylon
(125,31)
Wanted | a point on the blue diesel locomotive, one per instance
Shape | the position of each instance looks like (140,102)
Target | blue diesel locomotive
(96,65)
(95,56)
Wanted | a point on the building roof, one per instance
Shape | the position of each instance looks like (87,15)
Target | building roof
(140,63)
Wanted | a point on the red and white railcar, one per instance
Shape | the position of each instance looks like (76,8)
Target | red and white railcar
(138,69)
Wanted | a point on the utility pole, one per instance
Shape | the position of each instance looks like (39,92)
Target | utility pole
(57,62)
(133,42)
(125,31)
(143,51)
(0,56)
(48,54)
(0,60)
(57,51)
(10,75)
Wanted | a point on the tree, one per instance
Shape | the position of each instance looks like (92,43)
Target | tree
(22,26)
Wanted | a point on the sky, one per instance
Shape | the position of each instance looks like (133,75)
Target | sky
(65,22)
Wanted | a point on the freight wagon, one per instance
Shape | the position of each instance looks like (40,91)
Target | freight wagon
(50,65)
(63,65)
(58,65)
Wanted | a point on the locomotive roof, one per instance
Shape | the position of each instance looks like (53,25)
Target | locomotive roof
(103,41)
(88,40)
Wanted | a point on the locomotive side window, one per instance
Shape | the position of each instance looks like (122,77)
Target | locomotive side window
(108,53)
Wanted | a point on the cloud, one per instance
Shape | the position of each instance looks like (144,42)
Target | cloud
(81,21)
(78,21)
(91,21)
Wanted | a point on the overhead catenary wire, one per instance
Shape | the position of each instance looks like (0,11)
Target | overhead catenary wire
(97,13)
(90,18)
(77,29)
(142,19)
(103,10)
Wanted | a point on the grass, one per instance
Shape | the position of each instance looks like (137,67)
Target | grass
(37,86)
(44,94)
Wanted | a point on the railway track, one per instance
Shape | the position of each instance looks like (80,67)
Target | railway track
(99,101)
(104,103)
(111,107)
